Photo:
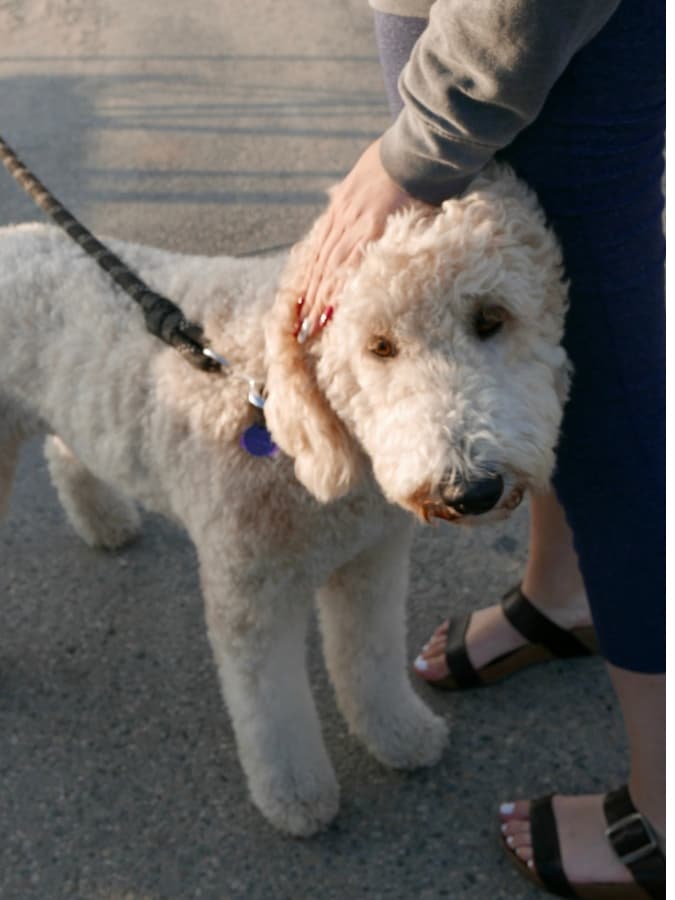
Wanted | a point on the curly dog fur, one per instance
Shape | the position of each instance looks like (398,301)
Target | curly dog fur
(399,405)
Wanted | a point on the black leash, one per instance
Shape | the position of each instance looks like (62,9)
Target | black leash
(162,317)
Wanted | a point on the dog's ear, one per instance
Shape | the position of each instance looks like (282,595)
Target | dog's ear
(328,461)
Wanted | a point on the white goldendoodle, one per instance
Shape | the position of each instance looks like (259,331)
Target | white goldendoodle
(437,390)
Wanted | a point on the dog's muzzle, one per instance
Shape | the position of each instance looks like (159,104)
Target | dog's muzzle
(461,500)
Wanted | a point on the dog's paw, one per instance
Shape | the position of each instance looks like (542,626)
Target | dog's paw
(121,528)
(300,809)
(409,739)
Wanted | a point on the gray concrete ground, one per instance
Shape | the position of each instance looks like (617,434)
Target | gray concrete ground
(215,127)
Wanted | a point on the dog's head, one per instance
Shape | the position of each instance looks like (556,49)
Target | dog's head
(442,368)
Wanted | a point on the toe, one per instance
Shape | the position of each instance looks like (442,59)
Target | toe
(439,634)
(518,838)
(434,647)
(431,668)
(524,852)
(511,810)
(520,842)
(431,664)
(516,827)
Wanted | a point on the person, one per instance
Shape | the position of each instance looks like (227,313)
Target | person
(572,95)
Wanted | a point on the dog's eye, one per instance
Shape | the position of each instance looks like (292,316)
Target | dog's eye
(488,320)
(382,346)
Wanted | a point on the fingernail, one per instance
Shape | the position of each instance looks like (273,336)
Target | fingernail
(507,808)
(299,303)
(326,316)
(504,828)
(421,664)
(530,863)
(510,841)
(304,330)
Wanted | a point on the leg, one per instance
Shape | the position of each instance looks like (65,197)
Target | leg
(99,514)
(257,627)
(643,703)
(9,452)
(15,427)
(362,614)
(611,458)
(585,853)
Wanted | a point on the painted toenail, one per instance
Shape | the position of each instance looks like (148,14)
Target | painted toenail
(421,664)
(507,808)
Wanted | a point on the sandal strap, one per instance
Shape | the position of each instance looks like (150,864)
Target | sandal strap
(546,848)
(537,628)
(635,842)
(456,656)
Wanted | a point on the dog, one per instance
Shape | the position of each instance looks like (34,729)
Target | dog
(435,393)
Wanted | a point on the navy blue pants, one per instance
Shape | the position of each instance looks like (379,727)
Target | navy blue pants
(595,158)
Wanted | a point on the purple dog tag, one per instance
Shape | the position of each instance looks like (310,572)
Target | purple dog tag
(257,441)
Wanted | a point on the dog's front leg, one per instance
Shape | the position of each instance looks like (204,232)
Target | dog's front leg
(257,626)
(362,615)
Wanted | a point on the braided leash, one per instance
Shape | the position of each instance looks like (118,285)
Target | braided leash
(162,317)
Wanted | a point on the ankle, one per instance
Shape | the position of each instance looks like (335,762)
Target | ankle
(561,597)
(652,806)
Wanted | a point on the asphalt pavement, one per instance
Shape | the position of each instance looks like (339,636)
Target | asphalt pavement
(216,127)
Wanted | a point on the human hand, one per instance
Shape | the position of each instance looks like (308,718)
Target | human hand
(358,210)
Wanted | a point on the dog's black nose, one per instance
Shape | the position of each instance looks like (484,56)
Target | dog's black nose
(474,497)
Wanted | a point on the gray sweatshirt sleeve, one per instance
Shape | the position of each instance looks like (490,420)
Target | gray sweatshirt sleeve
(478,75)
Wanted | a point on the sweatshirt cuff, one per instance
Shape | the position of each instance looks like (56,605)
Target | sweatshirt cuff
(428,165)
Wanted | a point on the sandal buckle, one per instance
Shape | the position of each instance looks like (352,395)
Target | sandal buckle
(651,841)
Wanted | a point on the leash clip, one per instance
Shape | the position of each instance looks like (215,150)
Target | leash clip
(216,357)
(255,398)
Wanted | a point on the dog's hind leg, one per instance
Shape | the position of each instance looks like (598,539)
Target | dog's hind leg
(16,425)
(362,616)
(9,452)
(257,627)
(101,515)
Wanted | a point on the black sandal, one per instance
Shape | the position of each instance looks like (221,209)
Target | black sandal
(632,837)
(546,641)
